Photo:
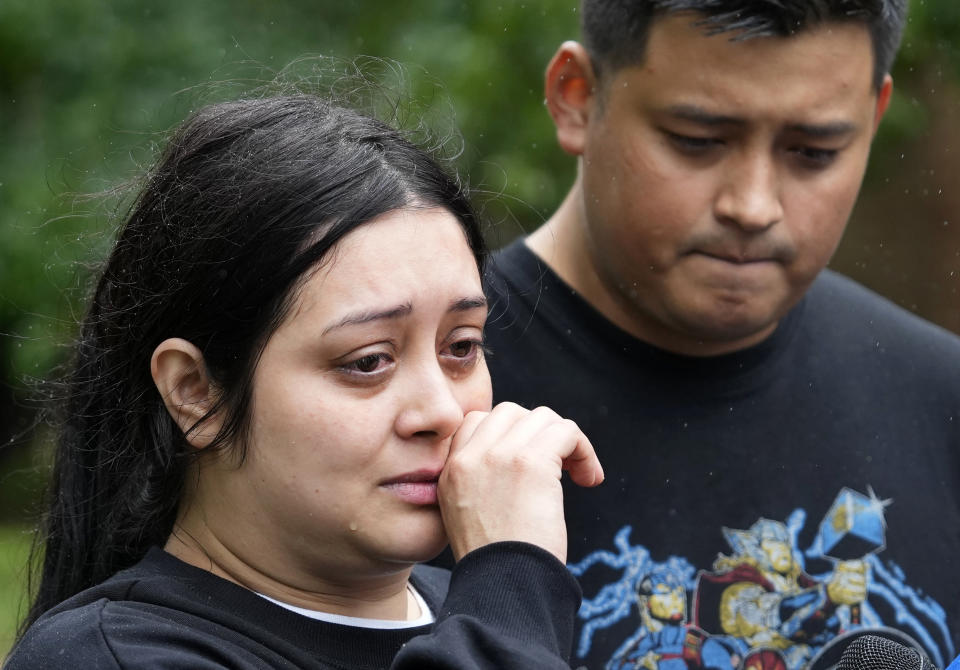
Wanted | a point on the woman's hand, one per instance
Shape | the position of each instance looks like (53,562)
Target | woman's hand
(502,478)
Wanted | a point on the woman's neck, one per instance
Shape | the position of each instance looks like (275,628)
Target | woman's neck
(341,591)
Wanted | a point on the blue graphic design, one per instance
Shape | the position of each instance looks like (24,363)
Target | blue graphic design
(660,592)
(615,601)
(888,585)
(758,607)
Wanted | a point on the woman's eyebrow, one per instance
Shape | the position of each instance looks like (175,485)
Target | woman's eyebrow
(366,316)
(465,304)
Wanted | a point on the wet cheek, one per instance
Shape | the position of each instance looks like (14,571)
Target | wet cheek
(325,439)
(343,444)
(478,394)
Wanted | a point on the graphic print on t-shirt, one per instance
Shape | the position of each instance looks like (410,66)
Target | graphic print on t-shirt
(757,607)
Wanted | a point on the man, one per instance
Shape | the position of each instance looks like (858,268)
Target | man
(677,307)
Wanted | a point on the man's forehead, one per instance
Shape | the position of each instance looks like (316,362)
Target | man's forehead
(690,27)
(714,80)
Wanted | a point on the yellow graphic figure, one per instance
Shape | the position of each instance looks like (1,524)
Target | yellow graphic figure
(848,585)
(748,611)
(664,605)
(766,599)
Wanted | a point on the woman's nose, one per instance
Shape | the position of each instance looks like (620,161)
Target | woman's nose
(430,407)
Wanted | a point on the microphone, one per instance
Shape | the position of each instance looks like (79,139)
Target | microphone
(871,652)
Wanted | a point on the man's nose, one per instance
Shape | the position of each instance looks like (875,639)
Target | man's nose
(749,196)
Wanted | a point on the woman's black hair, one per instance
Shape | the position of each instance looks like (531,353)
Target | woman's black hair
(247,197)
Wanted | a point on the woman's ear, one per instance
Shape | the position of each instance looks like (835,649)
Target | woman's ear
(180,374)
(569,89)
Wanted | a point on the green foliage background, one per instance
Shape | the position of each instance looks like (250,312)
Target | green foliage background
(86,85)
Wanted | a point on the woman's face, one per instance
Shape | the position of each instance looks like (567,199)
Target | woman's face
(355,401)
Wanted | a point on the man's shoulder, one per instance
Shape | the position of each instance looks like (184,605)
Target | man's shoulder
(847,307)
(525,293)
(512,251)
(511,265)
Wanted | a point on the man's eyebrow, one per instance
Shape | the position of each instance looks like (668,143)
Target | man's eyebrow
(824,130)
(701,116)
(357,318)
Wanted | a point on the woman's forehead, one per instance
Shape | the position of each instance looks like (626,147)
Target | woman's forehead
(408,256)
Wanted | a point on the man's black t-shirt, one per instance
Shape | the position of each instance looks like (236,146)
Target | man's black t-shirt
(758,505)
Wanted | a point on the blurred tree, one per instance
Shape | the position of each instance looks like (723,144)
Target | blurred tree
(904,237)
(86,85)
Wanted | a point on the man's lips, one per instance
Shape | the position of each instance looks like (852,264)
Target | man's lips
(418,487)
(737,258)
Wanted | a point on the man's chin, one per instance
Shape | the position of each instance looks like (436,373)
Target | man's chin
(735,318)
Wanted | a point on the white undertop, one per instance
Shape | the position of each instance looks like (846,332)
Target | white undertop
(425,618)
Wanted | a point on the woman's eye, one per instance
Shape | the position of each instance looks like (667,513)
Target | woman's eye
(464,348)
(463,354)
(367,364)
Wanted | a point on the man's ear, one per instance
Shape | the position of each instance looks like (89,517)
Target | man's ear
(180,374)
(569,91)
(883,100)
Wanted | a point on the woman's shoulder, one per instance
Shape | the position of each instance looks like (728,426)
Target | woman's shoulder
(138,611)
(73,636)
(122,634)
(79,632)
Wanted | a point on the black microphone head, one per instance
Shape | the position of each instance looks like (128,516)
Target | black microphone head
(871,652)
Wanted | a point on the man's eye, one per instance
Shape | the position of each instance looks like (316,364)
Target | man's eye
(693,145)
(815,158)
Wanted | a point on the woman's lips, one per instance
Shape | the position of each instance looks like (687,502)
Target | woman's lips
(418,488)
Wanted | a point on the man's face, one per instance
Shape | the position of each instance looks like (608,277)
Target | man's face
(718,177)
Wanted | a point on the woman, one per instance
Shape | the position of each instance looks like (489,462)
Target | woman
(280,381)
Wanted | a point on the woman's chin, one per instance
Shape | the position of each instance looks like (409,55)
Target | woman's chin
(421,544)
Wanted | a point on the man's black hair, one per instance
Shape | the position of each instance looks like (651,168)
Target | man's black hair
(615,32)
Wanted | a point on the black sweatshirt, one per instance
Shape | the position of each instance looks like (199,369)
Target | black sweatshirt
(509,605)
